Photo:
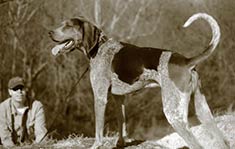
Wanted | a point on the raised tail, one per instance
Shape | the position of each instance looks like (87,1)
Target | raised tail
(214,41)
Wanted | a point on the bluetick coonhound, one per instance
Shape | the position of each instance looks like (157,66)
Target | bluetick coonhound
(121,68)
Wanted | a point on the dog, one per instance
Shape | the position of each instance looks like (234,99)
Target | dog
(120,68)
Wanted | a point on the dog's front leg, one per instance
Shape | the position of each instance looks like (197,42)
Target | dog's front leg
(100,104)
(100,85)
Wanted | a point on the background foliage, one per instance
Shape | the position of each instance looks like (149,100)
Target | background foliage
(25,51)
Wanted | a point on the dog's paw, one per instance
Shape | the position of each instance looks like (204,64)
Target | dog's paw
(120,143)
(96,145)
(124,142)
(128,140)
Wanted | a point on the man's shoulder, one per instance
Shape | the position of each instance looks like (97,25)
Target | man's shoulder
(4,106)
(36,104)
(5,102)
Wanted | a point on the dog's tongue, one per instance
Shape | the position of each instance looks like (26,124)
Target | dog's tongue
(57,48)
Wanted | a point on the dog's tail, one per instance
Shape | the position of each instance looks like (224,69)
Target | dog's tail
(214,41)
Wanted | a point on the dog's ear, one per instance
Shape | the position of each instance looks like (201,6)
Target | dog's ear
(82,19)
(75,22)
(90,36)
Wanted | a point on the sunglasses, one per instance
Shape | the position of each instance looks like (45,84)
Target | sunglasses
(19,87)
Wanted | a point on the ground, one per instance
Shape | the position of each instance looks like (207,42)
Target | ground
(226,124)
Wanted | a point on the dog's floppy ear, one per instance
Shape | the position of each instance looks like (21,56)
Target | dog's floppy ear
(82,19)
(90,36)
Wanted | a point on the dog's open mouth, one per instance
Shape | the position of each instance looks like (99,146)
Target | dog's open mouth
(63,47)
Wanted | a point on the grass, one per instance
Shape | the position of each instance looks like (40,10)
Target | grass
(226,121)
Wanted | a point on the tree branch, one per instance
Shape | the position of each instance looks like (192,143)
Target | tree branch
(141,34)
(116,17)
(5,1)
(98,13)
(137,17)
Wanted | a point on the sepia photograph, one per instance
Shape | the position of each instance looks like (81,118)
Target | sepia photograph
(117,74)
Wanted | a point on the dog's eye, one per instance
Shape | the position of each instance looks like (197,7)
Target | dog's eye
(69,24)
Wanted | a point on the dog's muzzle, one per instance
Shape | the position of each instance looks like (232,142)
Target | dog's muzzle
(63,47)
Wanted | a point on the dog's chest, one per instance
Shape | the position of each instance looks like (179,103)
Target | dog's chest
(129,63)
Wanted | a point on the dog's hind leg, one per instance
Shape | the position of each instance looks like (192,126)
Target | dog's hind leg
(206,118)
(175,108)
(175,104)
(119,99)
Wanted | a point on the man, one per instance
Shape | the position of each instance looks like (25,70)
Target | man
(22,120)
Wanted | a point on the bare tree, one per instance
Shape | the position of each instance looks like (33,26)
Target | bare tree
(20,14)
(111,23)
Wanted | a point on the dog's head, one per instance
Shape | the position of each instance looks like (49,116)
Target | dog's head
(74,33)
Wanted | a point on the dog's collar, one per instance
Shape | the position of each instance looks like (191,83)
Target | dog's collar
(102,38)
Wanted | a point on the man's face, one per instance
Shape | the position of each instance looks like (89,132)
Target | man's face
(18,93)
